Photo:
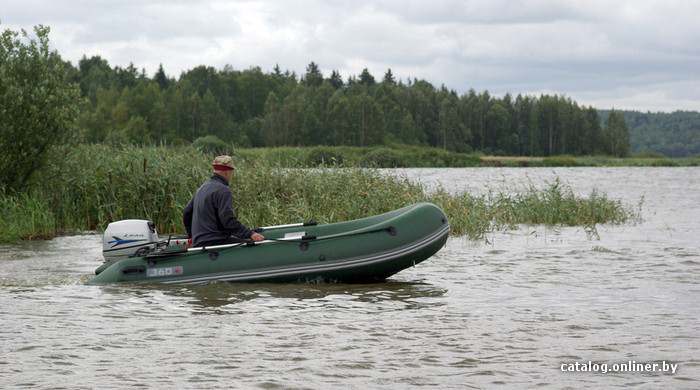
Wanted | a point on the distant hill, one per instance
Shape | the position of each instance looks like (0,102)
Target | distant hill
(675,134)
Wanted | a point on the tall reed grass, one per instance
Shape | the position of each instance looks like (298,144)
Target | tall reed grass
(25,216)
(86,187)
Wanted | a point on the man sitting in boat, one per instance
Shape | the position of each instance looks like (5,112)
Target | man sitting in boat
(209,217)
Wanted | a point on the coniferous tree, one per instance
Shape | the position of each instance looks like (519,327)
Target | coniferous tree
(389,77)
(161,78)
(335,80)
(366,78)
(313,76)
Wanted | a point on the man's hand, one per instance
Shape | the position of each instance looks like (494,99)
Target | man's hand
(257,237)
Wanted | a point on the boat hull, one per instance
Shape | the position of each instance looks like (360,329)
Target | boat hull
(365,250)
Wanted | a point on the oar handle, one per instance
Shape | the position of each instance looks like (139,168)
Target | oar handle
(265,228)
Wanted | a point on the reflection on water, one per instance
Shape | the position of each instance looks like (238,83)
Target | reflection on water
(475,315)
(217,295)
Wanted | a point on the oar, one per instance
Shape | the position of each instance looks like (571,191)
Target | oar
(304,239)
(260,230)
(289,225)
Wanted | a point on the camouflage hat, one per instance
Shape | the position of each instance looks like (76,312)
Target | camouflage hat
(223,163)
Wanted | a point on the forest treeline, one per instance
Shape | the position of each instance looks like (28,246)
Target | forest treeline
(279,108)
(675,134)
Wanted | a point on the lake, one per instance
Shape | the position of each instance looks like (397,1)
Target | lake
(506,311)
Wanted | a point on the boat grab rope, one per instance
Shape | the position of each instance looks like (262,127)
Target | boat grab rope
(306,238)
(303,240)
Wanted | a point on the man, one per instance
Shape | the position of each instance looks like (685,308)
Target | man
(209,217)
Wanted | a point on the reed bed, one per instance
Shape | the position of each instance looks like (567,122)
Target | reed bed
(25,216)
(88,186)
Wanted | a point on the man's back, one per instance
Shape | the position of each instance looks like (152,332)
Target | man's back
(209,217)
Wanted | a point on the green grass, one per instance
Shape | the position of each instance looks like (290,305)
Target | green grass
(88,186)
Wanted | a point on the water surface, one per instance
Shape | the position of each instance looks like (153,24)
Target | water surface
(505,311)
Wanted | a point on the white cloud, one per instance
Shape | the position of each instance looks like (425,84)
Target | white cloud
(631,53)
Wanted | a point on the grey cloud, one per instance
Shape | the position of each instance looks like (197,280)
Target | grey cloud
(495,11)
(598,51)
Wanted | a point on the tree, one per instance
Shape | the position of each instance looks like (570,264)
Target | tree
(366,78)
(409,133)
(136,129)
(123,78)
(498,139)
(213,118)
(38,104)
(272,128)
(367,120)
(313,76)
(315,121)
(335,80)
(592,136)
(448,123)
(617,134)
(339,118)
(389,77)
(94,73)
(161,78)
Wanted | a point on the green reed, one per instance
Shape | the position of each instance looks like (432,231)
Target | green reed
(86,187)
(25,216)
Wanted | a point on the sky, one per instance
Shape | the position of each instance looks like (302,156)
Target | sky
(626,54)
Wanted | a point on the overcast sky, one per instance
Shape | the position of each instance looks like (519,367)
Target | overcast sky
(633,54)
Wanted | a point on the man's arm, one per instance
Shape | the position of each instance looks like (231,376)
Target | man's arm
(187,217)
(228,218)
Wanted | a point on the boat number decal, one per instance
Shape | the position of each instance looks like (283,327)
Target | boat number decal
(164,271)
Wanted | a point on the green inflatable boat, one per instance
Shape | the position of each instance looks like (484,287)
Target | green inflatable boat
(363,250)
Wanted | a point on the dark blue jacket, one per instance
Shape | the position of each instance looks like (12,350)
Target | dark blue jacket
(209,216)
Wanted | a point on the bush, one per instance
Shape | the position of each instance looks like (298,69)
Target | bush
(384,158)
(211,144)
(322,155)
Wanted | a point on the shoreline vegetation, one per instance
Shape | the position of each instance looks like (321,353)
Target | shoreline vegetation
(85,187)
(409,156)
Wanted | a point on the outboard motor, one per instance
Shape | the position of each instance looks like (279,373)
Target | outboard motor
(124,238)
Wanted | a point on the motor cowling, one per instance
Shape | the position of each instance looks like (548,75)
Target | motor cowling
(124,238)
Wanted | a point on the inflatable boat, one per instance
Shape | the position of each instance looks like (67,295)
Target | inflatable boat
(362,250)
